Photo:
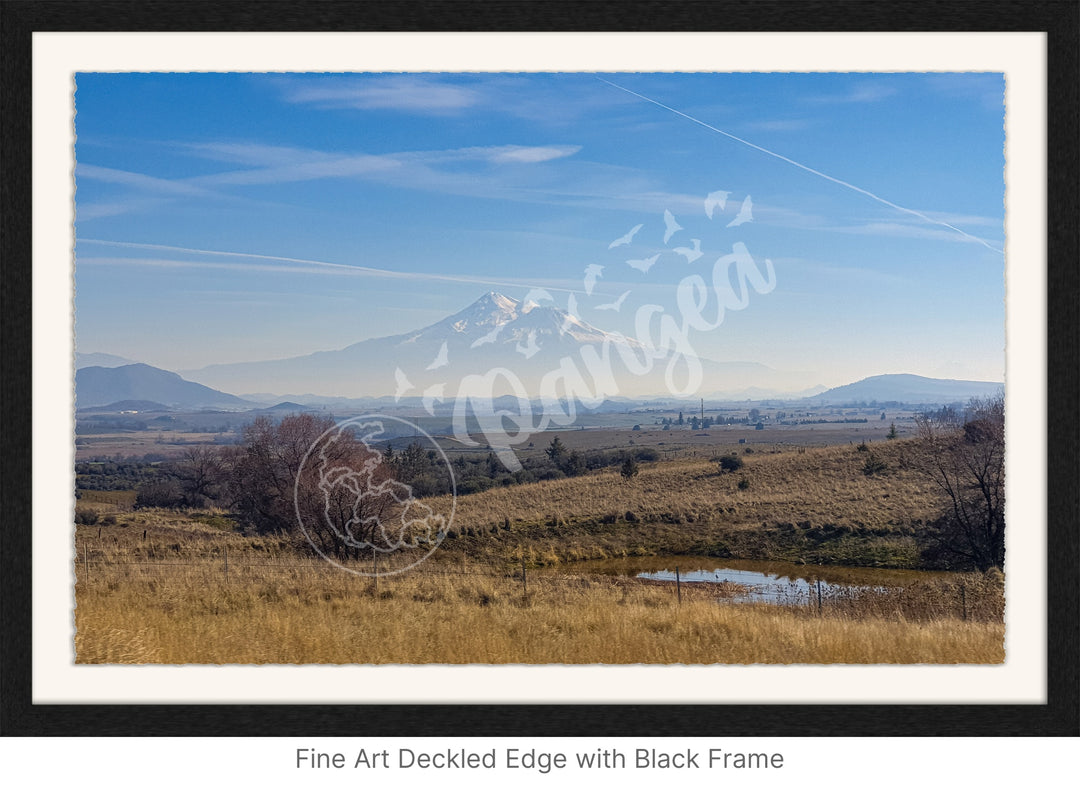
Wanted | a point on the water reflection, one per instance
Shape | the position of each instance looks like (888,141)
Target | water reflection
(763,581)
(758,585)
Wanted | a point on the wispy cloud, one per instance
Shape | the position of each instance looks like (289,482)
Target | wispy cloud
(269,165)
(783,217)
(779,125)
(909,231)
(140,181)
(253,154)
(407,169)
(986,89)
(407,93)
(528,154)
(967,219)
(342,167)
(857,94)
(255,262)
(143,192)
(545,103)
(279,157)
(832,272)
(85,211)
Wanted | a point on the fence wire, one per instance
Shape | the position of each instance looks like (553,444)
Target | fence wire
(970,598)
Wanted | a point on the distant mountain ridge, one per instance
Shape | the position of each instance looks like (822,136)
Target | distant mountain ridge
(495,333)
(98,386)
(908,388)
(88,359)
(288,406)
(128,406)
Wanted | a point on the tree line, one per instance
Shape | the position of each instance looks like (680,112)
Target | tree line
(264,483)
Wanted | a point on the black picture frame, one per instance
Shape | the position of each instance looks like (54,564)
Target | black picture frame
(1059,716)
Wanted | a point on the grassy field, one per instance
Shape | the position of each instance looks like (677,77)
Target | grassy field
(449,620)
(674,443)
(809,505)
(802,505)
(153,585)
(167,598)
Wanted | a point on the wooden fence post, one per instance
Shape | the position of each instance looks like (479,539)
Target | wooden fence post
(375,568)
(86,562)
(678,585)
(819,597)
(524,583)
(226,564)
(963,600)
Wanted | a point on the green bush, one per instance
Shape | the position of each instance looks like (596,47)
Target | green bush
(874,465)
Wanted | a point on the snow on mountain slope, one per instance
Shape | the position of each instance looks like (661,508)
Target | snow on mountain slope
(495,333)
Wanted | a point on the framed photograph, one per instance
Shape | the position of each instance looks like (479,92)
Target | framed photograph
(535,371)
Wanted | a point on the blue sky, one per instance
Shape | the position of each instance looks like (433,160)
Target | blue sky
(231,217)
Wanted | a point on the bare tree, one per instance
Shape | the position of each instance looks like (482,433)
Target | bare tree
(310,480)
(963,453)
(201,475)
(262,469)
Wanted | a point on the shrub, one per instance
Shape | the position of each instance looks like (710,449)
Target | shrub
(730,463)
(86,516)
(744,483)
(164,493)
(474,485)
(874,465)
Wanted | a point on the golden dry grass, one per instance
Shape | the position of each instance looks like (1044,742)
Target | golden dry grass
(287,609)
(122,500)
(160,596)
(813,484)
(812,505)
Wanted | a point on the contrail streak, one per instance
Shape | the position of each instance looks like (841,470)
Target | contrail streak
(343,268)
(808,169)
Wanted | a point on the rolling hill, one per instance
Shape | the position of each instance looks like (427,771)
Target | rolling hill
(99,386)
(908,389)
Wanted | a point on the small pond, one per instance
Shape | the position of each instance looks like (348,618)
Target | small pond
(763,581)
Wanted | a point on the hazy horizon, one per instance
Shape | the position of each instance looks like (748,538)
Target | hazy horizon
(225,218)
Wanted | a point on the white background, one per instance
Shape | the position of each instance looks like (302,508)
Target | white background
(269,764)
(170,763)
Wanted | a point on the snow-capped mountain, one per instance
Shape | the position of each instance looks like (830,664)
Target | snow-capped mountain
(498,319)
(496,332)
